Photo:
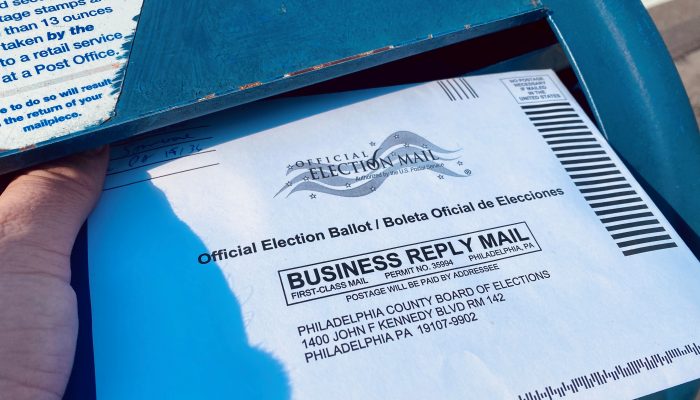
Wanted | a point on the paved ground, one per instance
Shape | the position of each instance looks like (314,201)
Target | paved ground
(679,24)
(689,68)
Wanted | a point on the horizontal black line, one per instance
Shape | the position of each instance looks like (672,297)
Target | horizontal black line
(609,195)
(550,111)
(621,209)
(590,167)
(554,117)
(567,134)
(584,160)
(586,183)
(594,174)
(638,232)
(624,217)
(567,122)
(562,128)
(643,240)
(577,147)
(544,105)
(155,134)
(604,188)
(160,162)
(580,154)
(160,176)
(174,144)
(649,248)
(615,202)
(632,224)
(562,141)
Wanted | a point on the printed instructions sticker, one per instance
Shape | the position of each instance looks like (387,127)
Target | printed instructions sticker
(59,65)
(533,89)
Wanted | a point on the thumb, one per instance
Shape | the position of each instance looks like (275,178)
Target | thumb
(44,207)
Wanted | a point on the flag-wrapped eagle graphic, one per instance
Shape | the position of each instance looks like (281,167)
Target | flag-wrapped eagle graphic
(400,150)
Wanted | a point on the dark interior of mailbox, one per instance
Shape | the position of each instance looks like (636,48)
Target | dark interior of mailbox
(530,46)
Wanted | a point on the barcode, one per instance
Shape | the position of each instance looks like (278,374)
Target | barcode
(458,89)
(616,373)
(627,218)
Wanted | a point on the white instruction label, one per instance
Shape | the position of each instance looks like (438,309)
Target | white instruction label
(533,89)
(60,64)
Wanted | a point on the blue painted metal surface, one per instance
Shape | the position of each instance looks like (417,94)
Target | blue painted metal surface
(638,100)
(193,58)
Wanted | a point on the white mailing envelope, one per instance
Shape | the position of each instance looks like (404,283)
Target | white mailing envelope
(470,238)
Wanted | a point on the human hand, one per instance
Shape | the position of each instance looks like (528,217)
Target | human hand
(41,212)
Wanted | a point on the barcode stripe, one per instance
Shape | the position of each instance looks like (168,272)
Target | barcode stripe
(442,85)
(558,116)
(620,371)
(527,107)
(621,209)
(644,240)
(549,111)
(589,167)
(594,174)
(586,183)
(567,134)
(567,122)
(604,188)
(471,89)
(578,154)
(449,81)
(625,217)
(609,195)
(579,140)
(607,192)
(584,160)
(632,224)
(577,147)
(466,96)
(638,232)
(457,89)
(615,202)
(463,87)
(649,248)
(562,128)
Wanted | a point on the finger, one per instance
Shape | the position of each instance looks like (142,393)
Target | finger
(47,205)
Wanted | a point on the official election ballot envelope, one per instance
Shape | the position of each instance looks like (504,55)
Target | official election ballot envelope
(470,238)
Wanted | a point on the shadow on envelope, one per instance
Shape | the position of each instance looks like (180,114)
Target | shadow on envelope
(163,327)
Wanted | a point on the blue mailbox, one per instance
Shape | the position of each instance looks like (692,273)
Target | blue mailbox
(187,59)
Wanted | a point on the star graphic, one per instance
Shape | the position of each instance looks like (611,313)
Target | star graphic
(372,144)
(306,178)
(312,196)
(459,163)
(396,136)
(406,145)
(393,153)
(289,166)
(441,176)
(425,146)
(289,183)
(372,188)
(347,185)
